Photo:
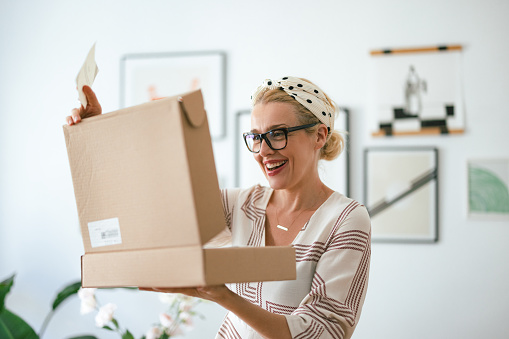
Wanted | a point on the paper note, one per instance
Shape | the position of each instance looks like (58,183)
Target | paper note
(87,75)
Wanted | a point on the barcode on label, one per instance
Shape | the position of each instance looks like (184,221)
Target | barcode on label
(104,232)
(109,234)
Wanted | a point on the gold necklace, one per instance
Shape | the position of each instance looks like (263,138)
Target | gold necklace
(281,226)
(287,228)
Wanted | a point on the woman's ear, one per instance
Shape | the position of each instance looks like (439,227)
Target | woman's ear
(321,136)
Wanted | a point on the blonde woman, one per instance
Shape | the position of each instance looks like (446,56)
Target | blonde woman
(292,128)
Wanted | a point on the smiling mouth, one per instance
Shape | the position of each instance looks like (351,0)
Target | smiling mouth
(275,165)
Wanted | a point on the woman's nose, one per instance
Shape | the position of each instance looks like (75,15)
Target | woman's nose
(265,149)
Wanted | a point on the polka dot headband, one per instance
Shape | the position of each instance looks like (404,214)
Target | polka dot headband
(307,94)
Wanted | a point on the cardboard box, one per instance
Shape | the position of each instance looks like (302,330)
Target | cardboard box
(148,201)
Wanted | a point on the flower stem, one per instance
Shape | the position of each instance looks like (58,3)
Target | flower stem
(46,322)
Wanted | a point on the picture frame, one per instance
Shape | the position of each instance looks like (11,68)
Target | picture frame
(335,174)
(401,193)
(150,76)
(418,91)
(488,189)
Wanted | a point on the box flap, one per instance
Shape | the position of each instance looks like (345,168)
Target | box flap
(249,264)
(193,108)
(203,175)
(136,181)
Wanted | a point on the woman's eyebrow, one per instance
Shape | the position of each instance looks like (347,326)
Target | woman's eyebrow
(271,128)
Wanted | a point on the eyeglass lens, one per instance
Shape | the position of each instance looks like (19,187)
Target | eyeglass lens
(275,139)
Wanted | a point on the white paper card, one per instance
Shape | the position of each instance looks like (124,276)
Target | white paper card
(104,232)
(86,75)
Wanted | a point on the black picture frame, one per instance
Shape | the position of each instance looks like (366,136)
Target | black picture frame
(148,76)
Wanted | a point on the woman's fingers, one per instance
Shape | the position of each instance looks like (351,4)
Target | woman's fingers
(91,97)
(93,105)
(76,116)
(93,108)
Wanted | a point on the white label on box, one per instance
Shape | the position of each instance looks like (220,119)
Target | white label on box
(104,232)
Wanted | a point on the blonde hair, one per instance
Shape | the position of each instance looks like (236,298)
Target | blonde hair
(335,142)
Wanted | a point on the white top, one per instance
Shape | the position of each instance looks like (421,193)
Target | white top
(332,253)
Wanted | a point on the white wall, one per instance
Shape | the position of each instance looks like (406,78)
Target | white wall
(455,288)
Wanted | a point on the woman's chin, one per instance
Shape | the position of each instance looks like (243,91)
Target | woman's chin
(276,184)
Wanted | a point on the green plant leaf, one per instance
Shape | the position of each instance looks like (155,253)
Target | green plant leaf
(108,328)
(164,336)
(85,337)
(115,322)
(13,327)
(66,292)
(127,335)
(5,287)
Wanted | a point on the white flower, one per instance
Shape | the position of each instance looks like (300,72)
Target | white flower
(186,305)
(175,332)
(187,319)
(105,314)
(168,298)
(153,333)
(88,302)
(166,320)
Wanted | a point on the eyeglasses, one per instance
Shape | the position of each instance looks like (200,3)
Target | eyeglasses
(276,139)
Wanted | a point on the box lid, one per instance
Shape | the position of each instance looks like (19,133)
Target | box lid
(144,176)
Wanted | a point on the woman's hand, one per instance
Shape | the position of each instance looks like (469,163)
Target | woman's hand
(267,324)
(93,108)
(213,293)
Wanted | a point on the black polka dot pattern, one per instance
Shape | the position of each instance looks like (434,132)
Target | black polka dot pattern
(306,93)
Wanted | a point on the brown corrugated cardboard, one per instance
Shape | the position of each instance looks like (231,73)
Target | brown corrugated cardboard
(187,266)
(148,200)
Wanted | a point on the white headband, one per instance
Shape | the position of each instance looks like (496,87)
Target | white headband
(307,94)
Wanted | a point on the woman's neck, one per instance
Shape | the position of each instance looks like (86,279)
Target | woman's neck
(308,195)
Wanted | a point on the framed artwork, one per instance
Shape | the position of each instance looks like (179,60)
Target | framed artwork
(401,193)
(418,91)
(488,189)
(150,76)
(335,174)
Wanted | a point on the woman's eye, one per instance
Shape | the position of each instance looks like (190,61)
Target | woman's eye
(278,134)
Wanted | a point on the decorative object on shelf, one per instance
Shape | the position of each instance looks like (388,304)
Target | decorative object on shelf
(335,174)
(488,189)
(177,319)
(418,91)
(401,193)
(151,76)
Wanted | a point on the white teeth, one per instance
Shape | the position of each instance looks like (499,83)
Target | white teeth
(274,164)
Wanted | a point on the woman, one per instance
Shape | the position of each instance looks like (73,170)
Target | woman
(292,129)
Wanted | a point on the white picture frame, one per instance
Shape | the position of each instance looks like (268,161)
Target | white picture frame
(488,189)
(149,76)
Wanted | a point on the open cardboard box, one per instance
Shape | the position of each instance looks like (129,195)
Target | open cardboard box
(148,201)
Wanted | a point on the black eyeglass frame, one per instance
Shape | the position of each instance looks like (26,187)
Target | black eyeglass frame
(285,130)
